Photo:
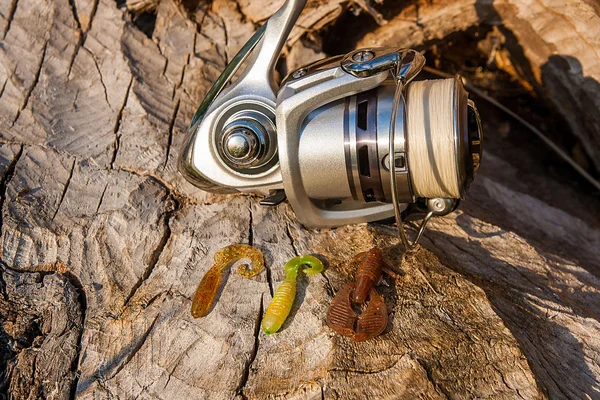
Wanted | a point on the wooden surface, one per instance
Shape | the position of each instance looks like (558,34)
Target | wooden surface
(103,244)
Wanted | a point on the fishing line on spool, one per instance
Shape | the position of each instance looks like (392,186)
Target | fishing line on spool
(557,149)
(431,136)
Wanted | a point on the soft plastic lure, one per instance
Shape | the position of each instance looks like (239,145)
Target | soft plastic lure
(284,296)
(344,320)
(370,267)
(342,316)
(209,285)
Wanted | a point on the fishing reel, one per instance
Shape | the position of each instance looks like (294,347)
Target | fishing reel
(347,139)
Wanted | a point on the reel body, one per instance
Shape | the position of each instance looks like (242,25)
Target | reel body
(349,139)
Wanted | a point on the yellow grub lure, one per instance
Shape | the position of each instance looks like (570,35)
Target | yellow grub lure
(209,285)
(283,299)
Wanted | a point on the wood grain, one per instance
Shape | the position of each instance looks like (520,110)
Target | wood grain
(103,243)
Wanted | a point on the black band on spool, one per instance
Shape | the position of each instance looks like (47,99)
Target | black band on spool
(347,148)
(366,147)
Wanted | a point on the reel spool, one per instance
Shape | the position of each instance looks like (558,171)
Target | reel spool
(349,139)
(352,159)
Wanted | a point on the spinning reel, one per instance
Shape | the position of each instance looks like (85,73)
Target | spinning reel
(347,139)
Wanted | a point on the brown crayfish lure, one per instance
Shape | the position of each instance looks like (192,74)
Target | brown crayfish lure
(209,285)
(374,319)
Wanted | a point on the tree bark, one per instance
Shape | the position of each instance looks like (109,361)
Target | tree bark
(103,243)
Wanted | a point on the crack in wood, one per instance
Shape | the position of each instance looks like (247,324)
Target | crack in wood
(200,25)
(171,128)
(5,295)
(182,75)
(6,81)
(226,34)
(270,279)
(160,181)
(246,372)
(288,232)
(366,372)
(155,256)
(427,282)
(75,16)
(99,74)
(328,286)
(9,19)
(238,9)
(8,174)
(178,360)
(78,46)
(36,79)
(92,15)
(164,70)
(117,126)
(82,299)
(163,294)
(268,270)
(64,192)
(101,198)
(250,225)
(143,390)
(82,32)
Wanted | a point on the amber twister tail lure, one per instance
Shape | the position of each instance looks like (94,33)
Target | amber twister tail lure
(283,299)
(209,285)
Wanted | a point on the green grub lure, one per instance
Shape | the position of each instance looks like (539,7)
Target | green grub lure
(283,299)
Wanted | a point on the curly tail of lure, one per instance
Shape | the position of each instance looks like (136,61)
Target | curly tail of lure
(283,299)
(209,285)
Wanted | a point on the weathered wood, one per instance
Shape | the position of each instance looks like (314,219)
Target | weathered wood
(103,244)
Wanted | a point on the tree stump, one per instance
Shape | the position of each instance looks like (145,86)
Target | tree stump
(103,243)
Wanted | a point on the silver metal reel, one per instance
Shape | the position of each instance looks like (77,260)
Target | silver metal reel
(313,89)
(323,83)
(235,145)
